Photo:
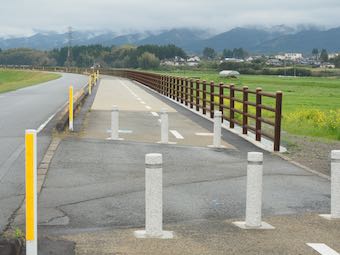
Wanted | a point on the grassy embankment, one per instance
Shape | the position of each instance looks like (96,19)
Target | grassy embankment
(311,105)
(16,79)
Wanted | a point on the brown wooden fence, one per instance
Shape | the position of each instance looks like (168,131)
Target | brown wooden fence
(209,97)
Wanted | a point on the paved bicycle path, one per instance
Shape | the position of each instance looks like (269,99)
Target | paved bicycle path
(94,191)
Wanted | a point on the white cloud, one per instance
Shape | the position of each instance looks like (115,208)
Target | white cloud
(23,16)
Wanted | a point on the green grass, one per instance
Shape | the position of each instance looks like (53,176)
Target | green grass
(16,79)
(311,105)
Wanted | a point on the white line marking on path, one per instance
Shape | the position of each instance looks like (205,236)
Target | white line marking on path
(322,249)
(176,134)
(155,114)
(125,131)
(142,102)
(148,107)
(159,120)
(204,134)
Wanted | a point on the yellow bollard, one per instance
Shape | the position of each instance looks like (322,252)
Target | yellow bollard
(98,74)
(90,85)
(70,108)
(31,191)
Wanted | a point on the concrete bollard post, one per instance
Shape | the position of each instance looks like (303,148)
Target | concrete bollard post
(115,123)
(335,187)
(254,189)
(164,126)
(153,199)
(254,194)
(217,129)
(31,192)
(335,184)
(153,195)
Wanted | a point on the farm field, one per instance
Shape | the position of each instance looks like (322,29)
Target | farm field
(311,105)
(16,79)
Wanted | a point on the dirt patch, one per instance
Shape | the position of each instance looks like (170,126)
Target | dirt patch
(311,152)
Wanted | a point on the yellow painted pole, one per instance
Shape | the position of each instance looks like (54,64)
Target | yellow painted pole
(70,108)
(97,74)
(31,191)
(90,85)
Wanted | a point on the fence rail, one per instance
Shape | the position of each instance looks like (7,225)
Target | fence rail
(242,106)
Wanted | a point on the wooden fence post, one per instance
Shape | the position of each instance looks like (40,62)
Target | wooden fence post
(186,82)
(221,99)
(258,114)
(191,93)
(204,100)
(245,110)
(177,88)
(277,128)
(182,90)
(231,105)
(212,97)
(198,95)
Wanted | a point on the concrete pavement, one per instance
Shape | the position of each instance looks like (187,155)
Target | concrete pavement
(94,191)
(26,108)
(139,116)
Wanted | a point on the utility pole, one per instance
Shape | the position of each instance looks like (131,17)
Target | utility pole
(69,50)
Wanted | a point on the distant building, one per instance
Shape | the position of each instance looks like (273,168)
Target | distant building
(274,62)
(193,61)
(333,55)
(290,56)
(236,60)
(327,65)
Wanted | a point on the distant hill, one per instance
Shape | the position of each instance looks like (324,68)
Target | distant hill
(258,40)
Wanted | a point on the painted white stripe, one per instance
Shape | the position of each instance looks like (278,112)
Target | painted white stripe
(125,131)
(322,249)
(148,107)
(204,134)
(176,134)
(155,114)
(142,102)
(42,126)
(159,120)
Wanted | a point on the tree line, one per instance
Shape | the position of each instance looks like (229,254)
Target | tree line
(144,56)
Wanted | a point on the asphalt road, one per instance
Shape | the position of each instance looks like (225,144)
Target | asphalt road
(27,108)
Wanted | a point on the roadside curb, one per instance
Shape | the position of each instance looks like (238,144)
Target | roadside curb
(324,176)
(63,116)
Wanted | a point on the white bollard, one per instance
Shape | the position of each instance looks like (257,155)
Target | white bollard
(153,199)
(254,189)
(115,123)
(153,195)
(164,126)
(335,187)
(254,194)
(217,130)
(335,184)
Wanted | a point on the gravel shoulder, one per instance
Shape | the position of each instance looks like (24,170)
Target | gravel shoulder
(311,152)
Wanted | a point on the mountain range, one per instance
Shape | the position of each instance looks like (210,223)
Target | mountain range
(257,40)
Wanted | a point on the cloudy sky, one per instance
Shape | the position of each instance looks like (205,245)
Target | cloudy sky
(24,17)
